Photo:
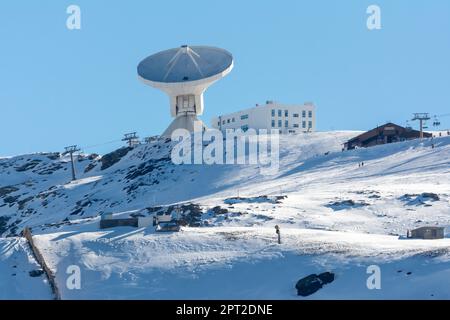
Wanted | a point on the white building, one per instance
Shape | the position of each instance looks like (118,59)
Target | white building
(272,115)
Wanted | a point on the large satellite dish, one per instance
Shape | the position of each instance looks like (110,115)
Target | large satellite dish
(184,74)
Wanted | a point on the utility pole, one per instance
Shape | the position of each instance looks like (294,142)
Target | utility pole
(131,138)
(71,150)
(277,230)
(421,117)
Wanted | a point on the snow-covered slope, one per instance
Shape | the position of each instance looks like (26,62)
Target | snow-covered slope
(16,263)
(334,214)
(37,189)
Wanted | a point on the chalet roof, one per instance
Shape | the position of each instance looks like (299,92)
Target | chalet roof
(429,228)
(376,131)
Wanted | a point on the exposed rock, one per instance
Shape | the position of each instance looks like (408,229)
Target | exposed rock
(76,211)
(83,204)
(313,283)
(112,158)
(7,190)
(218,210)
(190,215)
(326,277)
(36,273)
(262,217)
(3,224)
(259,199)
(52,155)
(50,169)
(420,199)
(29,165)
(90,166)
(346,204)
(146,168)
(308,285)
(429,195)
(11,200)
(23,202)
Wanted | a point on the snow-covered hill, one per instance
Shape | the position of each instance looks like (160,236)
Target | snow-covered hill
(334,214)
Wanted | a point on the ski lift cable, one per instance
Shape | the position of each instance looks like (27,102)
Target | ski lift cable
(101,144)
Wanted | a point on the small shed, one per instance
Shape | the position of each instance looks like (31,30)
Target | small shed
(168,227)
(427,233)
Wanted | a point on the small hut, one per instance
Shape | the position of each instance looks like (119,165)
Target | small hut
(427,233)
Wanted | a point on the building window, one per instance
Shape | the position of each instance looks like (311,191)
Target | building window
(233,119)
(244,128)
(279,124)
(295,115)
(244,117)
(304,114)
(223,122)
(309,114)
(286,113)
(279,113)
(273,123)
(309,124)
(228,121)
(273,112)
(304,124)
(218,124)
(296,125)
(286,123)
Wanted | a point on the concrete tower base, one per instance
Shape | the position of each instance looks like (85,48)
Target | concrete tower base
(189,122)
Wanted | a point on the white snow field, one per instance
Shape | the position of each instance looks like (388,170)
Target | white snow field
(16,262)
(334,215)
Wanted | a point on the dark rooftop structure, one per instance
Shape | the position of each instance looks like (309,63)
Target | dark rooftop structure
(388,133)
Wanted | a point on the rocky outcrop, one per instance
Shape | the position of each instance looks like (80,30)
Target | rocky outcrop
(29,165)
(7,190)
(36,273)
(346,204)
(112,158)
(420,199)
(313,283)
(3,224)
(259,199)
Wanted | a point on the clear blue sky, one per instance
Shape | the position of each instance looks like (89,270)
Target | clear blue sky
(60,87)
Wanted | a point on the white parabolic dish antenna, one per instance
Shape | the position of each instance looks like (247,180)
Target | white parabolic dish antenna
(184,74)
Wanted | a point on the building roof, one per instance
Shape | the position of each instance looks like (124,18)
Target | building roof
(185,64)
(376,131)
(429,228)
